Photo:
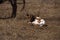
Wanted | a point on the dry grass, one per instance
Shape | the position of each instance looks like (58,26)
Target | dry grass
(19,29)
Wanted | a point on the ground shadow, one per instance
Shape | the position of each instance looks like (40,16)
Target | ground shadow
(14,7)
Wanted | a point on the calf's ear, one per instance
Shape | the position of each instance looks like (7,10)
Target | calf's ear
(27,14)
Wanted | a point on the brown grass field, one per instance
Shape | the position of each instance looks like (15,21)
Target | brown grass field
(18,28)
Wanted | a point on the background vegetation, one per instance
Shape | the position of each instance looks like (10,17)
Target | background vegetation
(19,29)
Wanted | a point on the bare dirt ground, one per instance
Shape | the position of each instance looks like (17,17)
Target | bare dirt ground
(19,29)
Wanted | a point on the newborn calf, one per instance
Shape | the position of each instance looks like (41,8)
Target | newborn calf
(38,21)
